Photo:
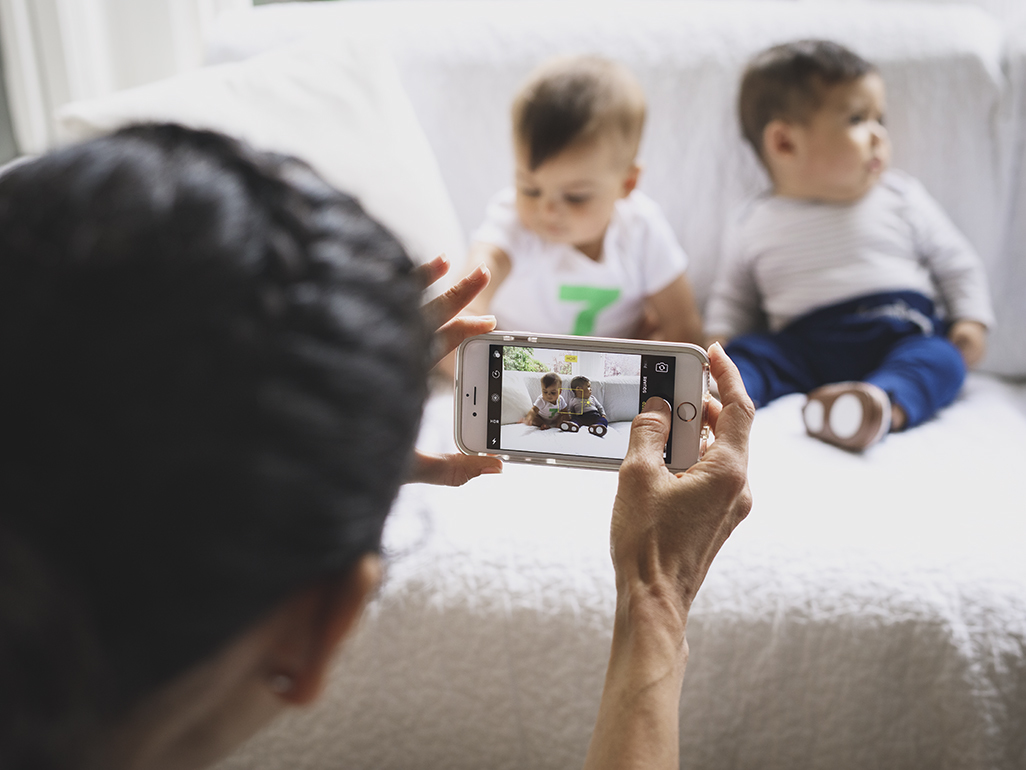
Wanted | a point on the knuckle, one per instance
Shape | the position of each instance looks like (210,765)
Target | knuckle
(630,469)
(649,422)
(451,294)
(747,407)
(732,481)
(744,502)
(633,473)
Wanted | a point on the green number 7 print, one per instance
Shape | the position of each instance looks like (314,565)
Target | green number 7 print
(595,300)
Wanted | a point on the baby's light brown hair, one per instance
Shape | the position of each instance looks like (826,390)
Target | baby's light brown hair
(574,99)
(789,81)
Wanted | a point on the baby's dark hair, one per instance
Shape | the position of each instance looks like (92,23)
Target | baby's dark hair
(570,100)
(579,382)
(214,369)
(788,82)
(551,378)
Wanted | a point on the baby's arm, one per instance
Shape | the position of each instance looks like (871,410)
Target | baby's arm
(676,313)
(970,337)
(957,270)
(533,417)
(735,304)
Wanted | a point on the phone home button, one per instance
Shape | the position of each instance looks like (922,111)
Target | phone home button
(686,411)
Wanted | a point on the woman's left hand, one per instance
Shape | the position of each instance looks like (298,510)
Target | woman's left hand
(454,469)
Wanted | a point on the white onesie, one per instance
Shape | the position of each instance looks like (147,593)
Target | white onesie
(548,411)
(556,289)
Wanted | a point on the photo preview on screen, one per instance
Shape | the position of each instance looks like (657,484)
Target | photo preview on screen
(571,402)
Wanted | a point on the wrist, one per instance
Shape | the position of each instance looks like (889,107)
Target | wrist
(649,631)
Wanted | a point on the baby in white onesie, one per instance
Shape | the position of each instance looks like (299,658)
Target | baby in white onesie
(873,302)
(573,247)
(550,408)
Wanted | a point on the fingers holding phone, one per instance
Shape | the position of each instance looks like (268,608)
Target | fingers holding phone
(452,469)
(667,528)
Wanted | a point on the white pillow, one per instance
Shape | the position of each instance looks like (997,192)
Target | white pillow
(340,107)
(620,395)
(516,401)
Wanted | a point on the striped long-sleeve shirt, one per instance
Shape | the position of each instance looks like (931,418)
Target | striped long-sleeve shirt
(789,257)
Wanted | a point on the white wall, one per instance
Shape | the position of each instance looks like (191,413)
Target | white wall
(8,147)
(56,51)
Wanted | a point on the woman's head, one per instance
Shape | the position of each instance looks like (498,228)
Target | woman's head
(214,368)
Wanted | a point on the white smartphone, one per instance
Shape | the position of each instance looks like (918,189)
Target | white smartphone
(561,400)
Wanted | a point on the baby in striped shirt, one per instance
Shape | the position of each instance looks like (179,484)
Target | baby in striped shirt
(846,281)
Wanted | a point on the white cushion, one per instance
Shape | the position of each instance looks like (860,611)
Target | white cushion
(516,401)
(341,108)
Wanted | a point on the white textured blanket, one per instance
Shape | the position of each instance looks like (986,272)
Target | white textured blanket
(871,612)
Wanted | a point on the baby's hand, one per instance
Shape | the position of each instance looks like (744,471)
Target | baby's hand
(970,337)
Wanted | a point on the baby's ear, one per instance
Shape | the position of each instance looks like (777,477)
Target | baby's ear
(630,179)
(778,140)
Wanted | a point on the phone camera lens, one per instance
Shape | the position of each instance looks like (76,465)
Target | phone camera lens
(475,414)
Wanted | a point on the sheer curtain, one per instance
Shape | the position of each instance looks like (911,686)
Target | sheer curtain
(56,51)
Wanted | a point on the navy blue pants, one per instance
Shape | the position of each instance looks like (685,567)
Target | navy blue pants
(893,340)
(589,418)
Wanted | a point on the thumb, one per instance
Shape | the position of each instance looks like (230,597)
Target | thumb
(649,433)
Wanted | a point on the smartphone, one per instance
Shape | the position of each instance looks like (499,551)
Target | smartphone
(561,400)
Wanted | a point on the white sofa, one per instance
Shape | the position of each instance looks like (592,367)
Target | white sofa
(871,612)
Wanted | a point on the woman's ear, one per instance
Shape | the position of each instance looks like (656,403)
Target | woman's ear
(316,622)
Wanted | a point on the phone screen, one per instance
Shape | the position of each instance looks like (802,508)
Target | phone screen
(571,402)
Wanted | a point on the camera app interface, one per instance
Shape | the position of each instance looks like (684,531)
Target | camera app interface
(570,402)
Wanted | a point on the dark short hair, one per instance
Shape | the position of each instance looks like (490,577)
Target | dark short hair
(788,82)
(579,382)
(214,371)
(551,378)
(574,99)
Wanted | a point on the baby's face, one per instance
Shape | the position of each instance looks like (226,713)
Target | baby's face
(844,148)
(551,393)
(584,391)
(569,198)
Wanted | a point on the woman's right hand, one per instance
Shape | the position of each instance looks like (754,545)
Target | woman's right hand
(665,533)
(667,528)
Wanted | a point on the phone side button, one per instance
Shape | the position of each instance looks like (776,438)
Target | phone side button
(686,411)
